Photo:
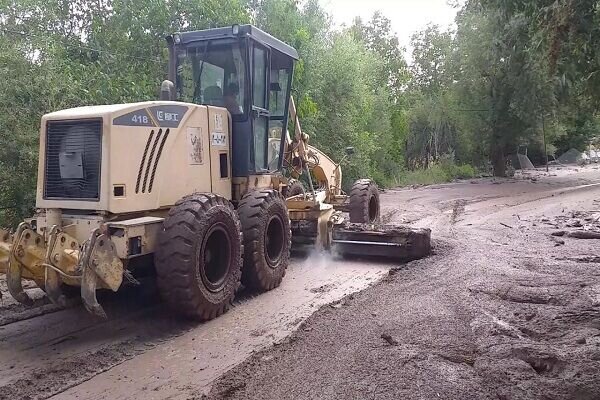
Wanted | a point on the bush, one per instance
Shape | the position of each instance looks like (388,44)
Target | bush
(444,171)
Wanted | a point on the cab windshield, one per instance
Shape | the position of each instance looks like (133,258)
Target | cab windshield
(213,73)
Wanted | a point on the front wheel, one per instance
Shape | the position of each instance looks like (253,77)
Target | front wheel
(267,239)
(364,202)
(295,188)
(199,256)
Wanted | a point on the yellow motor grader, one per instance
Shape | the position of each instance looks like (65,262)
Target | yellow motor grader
(197,184)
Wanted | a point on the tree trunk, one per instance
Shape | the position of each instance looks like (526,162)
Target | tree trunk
(497,151)
(499,162)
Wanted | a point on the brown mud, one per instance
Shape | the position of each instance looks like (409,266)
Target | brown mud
(502,310)
(144,351)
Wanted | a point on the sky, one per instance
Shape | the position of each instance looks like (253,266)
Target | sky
(407,16)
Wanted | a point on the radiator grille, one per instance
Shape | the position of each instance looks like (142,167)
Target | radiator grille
(73,154)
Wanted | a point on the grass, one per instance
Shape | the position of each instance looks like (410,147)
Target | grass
(437,173)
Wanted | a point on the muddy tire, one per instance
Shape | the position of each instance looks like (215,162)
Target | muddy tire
(267,239)
(199,256)
(364,202)
(295,188)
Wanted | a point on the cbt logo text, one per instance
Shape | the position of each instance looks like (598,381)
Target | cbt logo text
(167,116)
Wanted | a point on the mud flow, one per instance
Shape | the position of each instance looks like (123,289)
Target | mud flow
(507,307)
(48,352)
(504,309)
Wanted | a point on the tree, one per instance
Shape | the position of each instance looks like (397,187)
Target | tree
(500,74)
(63,54)
(378,37)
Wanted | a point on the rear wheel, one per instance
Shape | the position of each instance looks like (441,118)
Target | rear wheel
(199,256)
(267,239)
(364,202)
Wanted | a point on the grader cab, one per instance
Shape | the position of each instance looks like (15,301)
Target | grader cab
(198,184)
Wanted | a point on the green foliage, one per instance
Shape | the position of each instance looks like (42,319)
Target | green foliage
(510,71)
(63,54)
(378,37)
(440,172)
(431,70)
(342,88)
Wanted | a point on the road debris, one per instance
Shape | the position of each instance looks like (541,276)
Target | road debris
(584,234)
(389,339)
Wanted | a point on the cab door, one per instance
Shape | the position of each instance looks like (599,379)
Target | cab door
(260,108)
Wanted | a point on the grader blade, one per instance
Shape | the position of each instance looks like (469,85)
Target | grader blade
(385,241)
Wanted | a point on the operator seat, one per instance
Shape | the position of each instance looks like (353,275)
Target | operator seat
(213,95)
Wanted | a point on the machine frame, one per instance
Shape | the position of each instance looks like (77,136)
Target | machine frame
(162,165)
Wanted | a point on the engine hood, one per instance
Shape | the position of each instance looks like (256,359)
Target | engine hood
(101,110)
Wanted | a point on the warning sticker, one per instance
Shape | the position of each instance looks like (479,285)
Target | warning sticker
(194,139)
(219,122)
(218,139)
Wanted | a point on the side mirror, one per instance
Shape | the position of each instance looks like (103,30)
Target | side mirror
(349,151)
(166,90)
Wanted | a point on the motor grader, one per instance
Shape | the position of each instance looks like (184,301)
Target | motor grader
(196,184)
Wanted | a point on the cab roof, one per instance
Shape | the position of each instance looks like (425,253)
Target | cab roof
(228,32)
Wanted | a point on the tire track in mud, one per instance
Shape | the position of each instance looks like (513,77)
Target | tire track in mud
(37,311)
(11,311)
(45,350)
(68,351)
(63,374)
(183,368)
(525,325)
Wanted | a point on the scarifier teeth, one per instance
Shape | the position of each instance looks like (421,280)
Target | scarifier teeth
(15,271)
(88,293)
(52,278)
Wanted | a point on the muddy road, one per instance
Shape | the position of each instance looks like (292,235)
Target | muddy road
(503,310)
(144,351)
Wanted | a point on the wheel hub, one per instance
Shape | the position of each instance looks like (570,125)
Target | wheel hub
(373,207)
(215,258)
(274,240)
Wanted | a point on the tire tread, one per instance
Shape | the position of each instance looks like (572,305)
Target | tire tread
(175,258)
(257,274)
